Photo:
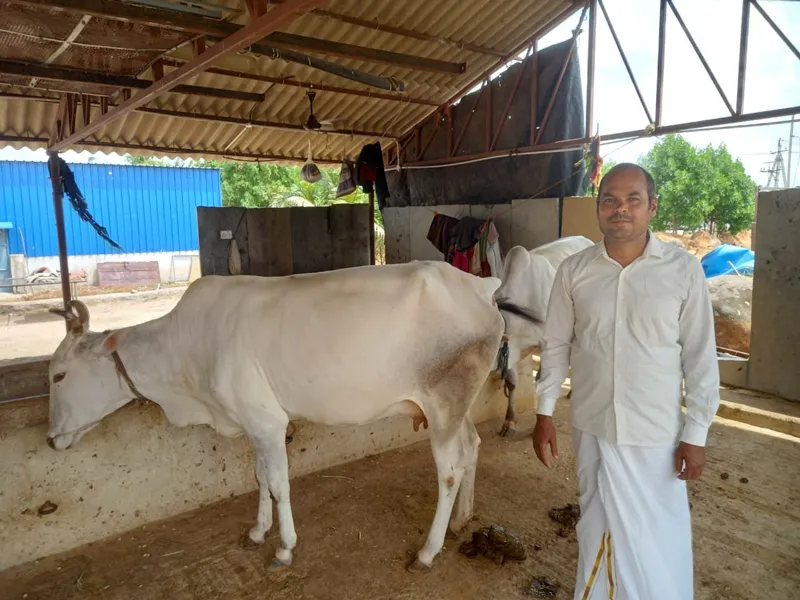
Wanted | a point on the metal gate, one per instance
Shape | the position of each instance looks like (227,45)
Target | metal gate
(5,263)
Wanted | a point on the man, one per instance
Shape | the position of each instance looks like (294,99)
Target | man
(633,315)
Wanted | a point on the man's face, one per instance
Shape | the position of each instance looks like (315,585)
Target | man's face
(623,210)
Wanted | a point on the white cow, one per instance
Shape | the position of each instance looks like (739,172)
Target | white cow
(347,347)
(528,277)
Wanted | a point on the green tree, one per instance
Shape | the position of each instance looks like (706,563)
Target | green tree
(699,188)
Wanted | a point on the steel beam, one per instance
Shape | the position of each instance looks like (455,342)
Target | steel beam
(777,29)
(743,56)
(73,75)
(181,21)
(291,82)
(590,68)
(314,62)
(58,207)
(468,120)
(625,61)
(701,57)
(577,143)
(258,124)
(662,40)
(376,26)
(87,105)
(535,90)
(553,97)
(277,17)
(501,123)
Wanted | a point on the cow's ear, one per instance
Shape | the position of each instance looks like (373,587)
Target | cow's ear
(104,344)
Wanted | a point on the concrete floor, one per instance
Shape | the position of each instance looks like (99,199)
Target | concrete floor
(359,524)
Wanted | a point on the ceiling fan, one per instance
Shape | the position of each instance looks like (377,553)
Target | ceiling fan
(312,123)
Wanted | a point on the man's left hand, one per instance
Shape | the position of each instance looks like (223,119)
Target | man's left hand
(689,461)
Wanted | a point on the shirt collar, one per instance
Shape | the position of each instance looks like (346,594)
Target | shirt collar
(654,248)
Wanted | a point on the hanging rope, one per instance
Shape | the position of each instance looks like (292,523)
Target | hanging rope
(73,193)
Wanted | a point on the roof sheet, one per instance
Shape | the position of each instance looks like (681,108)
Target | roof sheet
(116,47)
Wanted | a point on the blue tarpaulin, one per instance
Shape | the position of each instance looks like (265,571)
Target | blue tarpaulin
(728,259)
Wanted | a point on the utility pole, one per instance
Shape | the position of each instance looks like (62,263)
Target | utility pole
(776,168)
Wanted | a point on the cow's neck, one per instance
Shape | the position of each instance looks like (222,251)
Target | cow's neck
(153,364)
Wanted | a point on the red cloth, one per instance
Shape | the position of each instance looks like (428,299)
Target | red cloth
(461,259)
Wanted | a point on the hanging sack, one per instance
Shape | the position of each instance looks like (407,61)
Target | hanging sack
(347,183)
(310,172)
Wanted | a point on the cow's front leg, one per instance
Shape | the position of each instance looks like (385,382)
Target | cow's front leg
(271,444)
(264,519)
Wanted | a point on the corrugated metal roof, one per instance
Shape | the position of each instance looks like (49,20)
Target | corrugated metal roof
(498,26)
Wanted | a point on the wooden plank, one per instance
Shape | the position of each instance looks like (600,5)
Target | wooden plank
(214,250)
(350,236)
(269,238)
(312,251)
(279,234)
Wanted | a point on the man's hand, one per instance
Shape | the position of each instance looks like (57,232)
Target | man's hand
(544,435)
(689,461)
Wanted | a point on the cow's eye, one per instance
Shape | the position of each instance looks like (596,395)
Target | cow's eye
(58,377)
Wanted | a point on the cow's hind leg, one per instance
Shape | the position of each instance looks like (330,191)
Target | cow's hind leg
(466,491)
(451,459)
(510,384)
(453,387)
(264,518)
(270,445)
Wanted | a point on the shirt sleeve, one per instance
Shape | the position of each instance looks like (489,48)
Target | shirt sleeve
(698,359)
(558,334)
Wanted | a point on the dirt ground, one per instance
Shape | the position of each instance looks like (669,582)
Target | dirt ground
(39,333)
(359,524)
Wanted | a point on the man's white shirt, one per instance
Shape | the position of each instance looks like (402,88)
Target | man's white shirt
(632,335)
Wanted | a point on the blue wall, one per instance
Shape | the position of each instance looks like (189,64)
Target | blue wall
(144,209)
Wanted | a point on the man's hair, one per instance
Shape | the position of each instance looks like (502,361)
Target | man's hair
(651,184)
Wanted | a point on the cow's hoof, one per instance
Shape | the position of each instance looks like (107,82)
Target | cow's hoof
(247,543)
(278,564)
(417,566)
(508,429)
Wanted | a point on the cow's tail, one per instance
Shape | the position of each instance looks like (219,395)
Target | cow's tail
(504,305)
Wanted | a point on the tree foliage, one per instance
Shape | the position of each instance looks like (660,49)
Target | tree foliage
(699,188)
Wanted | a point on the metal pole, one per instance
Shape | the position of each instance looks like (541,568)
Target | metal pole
(590,68)
(788,179)
(743,56)
(58,206)
(662,40)
(372,228)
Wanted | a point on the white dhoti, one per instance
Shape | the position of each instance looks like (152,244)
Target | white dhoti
(634,533)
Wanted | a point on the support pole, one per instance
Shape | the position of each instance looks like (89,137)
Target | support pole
(662,40)
(743,56)
(590,68)
(372,228)
(58,206)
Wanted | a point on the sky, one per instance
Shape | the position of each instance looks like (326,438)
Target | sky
(773,78)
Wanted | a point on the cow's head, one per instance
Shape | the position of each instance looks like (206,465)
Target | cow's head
(84,385)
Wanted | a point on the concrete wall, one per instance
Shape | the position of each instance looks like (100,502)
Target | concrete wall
(88,263)
(775,338)
(135,468)
(528,223)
